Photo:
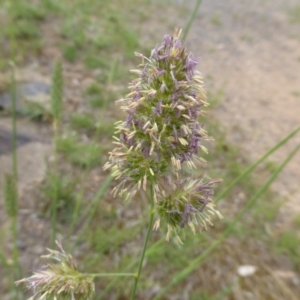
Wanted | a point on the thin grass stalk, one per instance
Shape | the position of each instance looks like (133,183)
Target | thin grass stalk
(191,20)
(13,94)
(11,206)
(56,108)
(151,215)
(78,203)
(14,179)
(255,164)
(197,261)
(14,120)
(11,182)
(95,275)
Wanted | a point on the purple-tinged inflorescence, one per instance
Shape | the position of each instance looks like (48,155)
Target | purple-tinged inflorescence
(161,132)
(187,203)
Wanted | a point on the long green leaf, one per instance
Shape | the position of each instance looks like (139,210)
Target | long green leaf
(255,164)
(191,20)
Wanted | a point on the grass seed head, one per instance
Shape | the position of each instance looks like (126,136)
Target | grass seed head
(161,131)
(60,280)
(162,134)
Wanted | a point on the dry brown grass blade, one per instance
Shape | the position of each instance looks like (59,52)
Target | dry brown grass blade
(286,290)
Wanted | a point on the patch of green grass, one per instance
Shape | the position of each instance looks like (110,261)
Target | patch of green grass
(101,94)
(37,111)
(129,40)
(289,244)
(27,11)
(25,30)
(98,102)
(296,94)
(271,165)
(70,53)
(215,97)
(73,31)
(89,123)
(105,128)
(104,99)
(297,220)
(95,62)
(212,49)
(93,89)
(267,211)
(246,37)
(83,121)
(294,14)
(216,19)
(55,6)
(103,42)
(112,242)
(66,195)
(203,295)
(81,154)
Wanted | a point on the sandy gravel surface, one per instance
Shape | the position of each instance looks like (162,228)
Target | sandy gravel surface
(250,50)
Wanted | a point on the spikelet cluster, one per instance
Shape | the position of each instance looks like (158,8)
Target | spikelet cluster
(187,202)
(61,280)
(161,133)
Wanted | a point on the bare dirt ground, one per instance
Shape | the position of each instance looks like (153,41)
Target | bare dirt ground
(250,51)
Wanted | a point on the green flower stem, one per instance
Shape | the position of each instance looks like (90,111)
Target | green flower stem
(56,108)
(198,260)
(14,219)
(14,231)
(151,215)
(14,162)
(191,20)
(55,196)
(14,121)
(110,275)
(114,282)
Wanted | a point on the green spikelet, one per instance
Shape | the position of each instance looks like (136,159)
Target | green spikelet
(57,91)
(10,195)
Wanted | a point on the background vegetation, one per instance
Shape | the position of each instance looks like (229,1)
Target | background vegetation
(95,41)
